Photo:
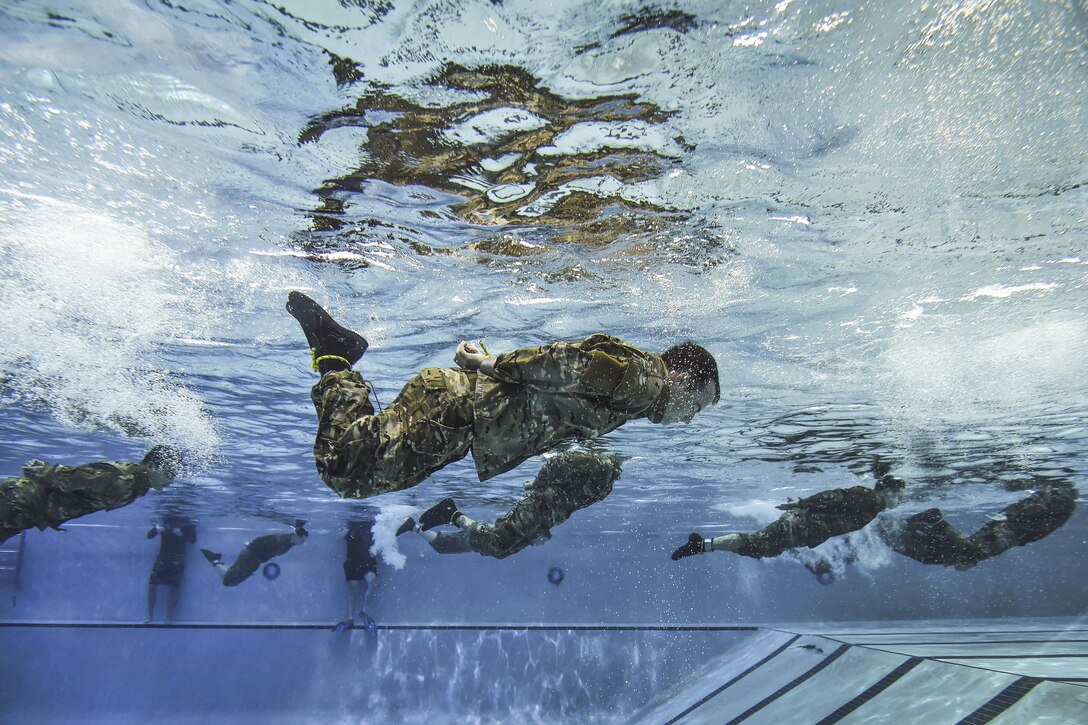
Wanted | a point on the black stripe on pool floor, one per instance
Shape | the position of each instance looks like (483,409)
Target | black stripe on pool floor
(1001,702)
(786,688)
(733,680)
(878,687)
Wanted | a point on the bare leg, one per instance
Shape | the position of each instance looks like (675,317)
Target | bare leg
(354,587)
(152,589)
(443,543)
(172,602)
(368,587)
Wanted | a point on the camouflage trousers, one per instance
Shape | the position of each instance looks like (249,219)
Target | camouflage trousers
(798,528)
(428,426)
(566,483)
(928,538)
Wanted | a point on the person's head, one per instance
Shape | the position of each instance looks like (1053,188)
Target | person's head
(163,464)
(823,571)
(300,532)
(890,489)
(693,382)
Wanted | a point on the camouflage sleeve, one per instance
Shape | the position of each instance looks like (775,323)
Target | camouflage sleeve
(837,501)
(55,494)
(579,368)
(558,367)
(97,478)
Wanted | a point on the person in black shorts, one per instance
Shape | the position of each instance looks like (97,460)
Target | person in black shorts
(360,573)
(175,534)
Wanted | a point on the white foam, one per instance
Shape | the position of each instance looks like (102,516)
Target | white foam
(947,370)
(1001,291)
(88,300)
(386,523)
(763,511)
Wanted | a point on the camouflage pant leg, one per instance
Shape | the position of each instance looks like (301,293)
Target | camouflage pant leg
(1023,522)
(530,519)
(566,483)
(346,428)
(927,538)
(359,454)
(242,569)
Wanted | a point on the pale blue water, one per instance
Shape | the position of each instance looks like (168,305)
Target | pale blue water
(873,214)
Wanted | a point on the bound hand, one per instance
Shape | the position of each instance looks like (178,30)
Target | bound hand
(468,356)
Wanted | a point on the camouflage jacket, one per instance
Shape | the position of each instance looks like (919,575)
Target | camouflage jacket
(529,400)
(47,495)
(854,506)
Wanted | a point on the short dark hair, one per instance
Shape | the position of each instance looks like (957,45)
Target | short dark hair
(888,482)
(165,457)
(697,362)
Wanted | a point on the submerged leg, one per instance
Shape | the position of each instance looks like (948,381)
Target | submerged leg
(348,433)
(1023,522)
(926,537)
(359,454)
(427,426)
(790,531)
(172,601)
(151,590)
(565,484)
(448,543)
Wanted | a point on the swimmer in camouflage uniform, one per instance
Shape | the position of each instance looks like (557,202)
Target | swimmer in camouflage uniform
(504,409)
(47,495)
(928,538)
(807,522)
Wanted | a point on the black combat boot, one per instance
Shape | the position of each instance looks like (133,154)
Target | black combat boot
(213,557)
(334,347)
(443,512)
(696,545)
(408,525)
